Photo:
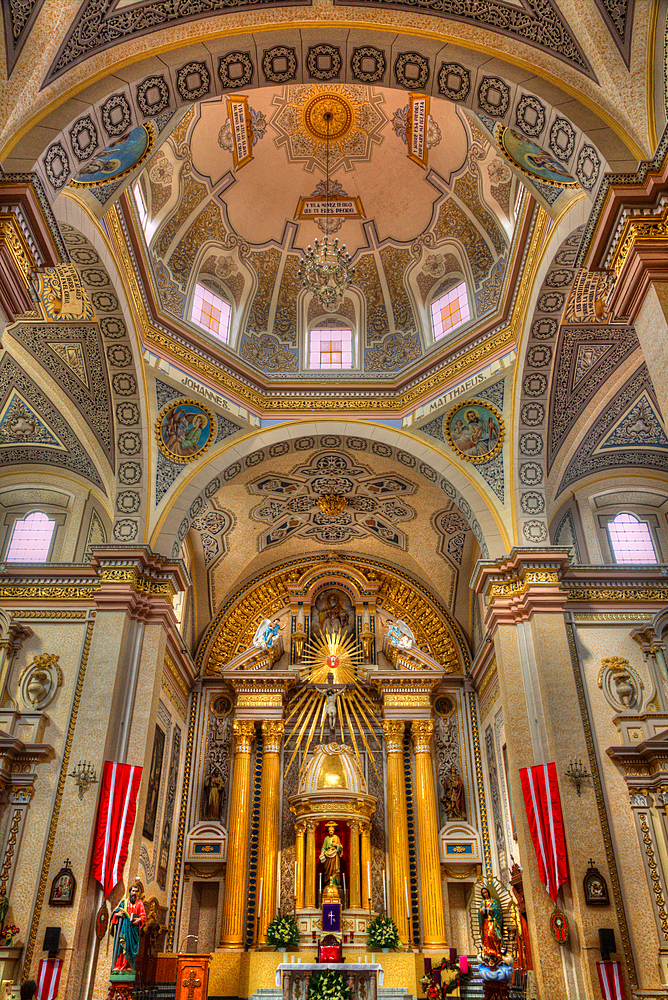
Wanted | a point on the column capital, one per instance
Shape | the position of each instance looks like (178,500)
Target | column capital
(421,734)
(393,731)
(523,583)
(273,736)
(244,734)
(137,580)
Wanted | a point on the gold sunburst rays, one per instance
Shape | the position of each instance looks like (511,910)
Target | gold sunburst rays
(331,653)
(332,659)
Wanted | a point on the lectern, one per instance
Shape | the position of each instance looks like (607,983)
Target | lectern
(192,977)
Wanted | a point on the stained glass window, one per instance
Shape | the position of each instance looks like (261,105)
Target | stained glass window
(31,539)
(331,349)
(631,540)
(450,311)
(211,312)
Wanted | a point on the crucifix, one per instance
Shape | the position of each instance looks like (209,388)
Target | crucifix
(191,984)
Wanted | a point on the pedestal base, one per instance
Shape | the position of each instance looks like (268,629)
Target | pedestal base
(495,990)
(121,990)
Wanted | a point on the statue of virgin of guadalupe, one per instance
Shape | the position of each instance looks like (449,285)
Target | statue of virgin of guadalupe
(490,923)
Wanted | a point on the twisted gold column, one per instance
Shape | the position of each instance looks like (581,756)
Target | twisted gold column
(397,827)
(270,794)
(300,830)
(232,932)
(354,901)
(309,862)
(426,816)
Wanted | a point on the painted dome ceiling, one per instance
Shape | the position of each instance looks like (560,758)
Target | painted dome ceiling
(239,224)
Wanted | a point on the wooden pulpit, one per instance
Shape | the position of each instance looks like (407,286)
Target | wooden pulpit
(192,977)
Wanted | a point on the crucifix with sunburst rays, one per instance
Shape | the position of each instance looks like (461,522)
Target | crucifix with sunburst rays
(331,690)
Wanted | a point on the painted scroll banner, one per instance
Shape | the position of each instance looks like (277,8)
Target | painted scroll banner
(417,129)
(242,130)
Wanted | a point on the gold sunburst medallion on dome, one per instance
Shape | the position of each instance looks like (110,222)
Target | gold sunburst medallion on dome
(330,115)
(355,126)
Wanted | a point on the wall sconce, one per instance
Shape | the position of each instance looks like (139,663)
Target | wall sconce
(577,771)
(84,776)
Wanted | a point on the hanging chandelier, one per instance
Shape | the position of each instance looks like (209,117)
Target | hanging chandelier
(325,267)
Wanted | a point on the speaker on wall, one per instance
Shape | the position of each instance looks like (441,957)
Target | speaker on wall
(606,942)
(51,940)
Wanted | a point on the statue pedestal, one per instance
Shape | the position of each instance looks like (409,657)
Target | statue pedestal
(192,977)
(352,921)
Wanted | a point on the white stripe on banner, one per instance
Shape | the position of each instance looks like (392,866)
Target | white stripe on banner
(616,971)
(126,806)
(107,833)
(42,977)
(537,814)
(553,834)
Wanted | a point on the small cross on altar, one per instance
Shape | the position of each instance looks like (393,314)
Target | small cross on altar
(191,983)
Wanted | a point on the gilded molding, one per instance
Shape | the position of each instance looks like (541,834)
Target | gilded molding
(638,229)
(589,595)
(244,734)
(394,735)
(76,592)
(183,812)
(273,736)
(654,875)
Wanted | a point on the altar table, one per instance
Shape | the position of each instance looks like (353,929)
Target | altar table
(361,976)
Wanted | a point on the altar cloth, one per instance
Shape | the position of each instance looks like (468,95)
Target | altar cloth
(338,966)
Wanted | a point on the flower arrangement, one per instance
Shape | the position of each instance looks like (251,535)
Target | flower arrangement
(283,931)
(329,985)
(8,933)
(383,933)
(451,977)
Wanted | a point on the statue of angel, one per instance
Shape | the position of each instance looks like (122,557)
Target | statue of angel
(400,634)
(266,635)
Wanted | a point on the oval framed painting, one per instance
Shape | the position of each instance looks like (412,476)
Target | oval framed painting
(184,430)
(532,160)
(475,430)
(119,158)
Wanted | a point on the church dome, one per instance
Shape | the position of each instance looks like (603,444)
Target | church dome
(332,767)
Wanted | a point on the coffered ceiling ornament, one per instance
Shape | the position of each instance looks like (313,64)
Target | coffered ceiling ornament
(332,500)
(354,128)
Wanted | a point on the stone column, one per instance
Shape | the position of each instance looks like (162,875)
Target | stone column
(397,827)
(309,900)
(270,795)
(543,713)
(426,814)
(354,901)
(300,830)
(232,932)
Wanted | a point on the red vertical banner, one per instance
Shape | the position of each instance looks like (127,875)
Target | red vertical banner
(546,823)
(115,819)
(48,978)
(610,978)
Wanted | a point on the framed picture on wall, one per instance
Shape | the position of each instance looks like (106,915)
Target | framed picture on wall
(595,887)
(63,887)
(154,777)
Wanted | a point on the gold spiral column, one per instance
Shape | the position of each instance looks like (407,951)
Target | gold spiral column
(424,797)
(354,901)
(300,830)
(309,898)
(397,826)
(270,794)
(232,932)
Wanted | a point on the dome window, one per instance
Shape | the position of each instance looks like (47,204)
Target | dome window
(331,348)
(450,311)
(31,539)
(631,540)
(211,312)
